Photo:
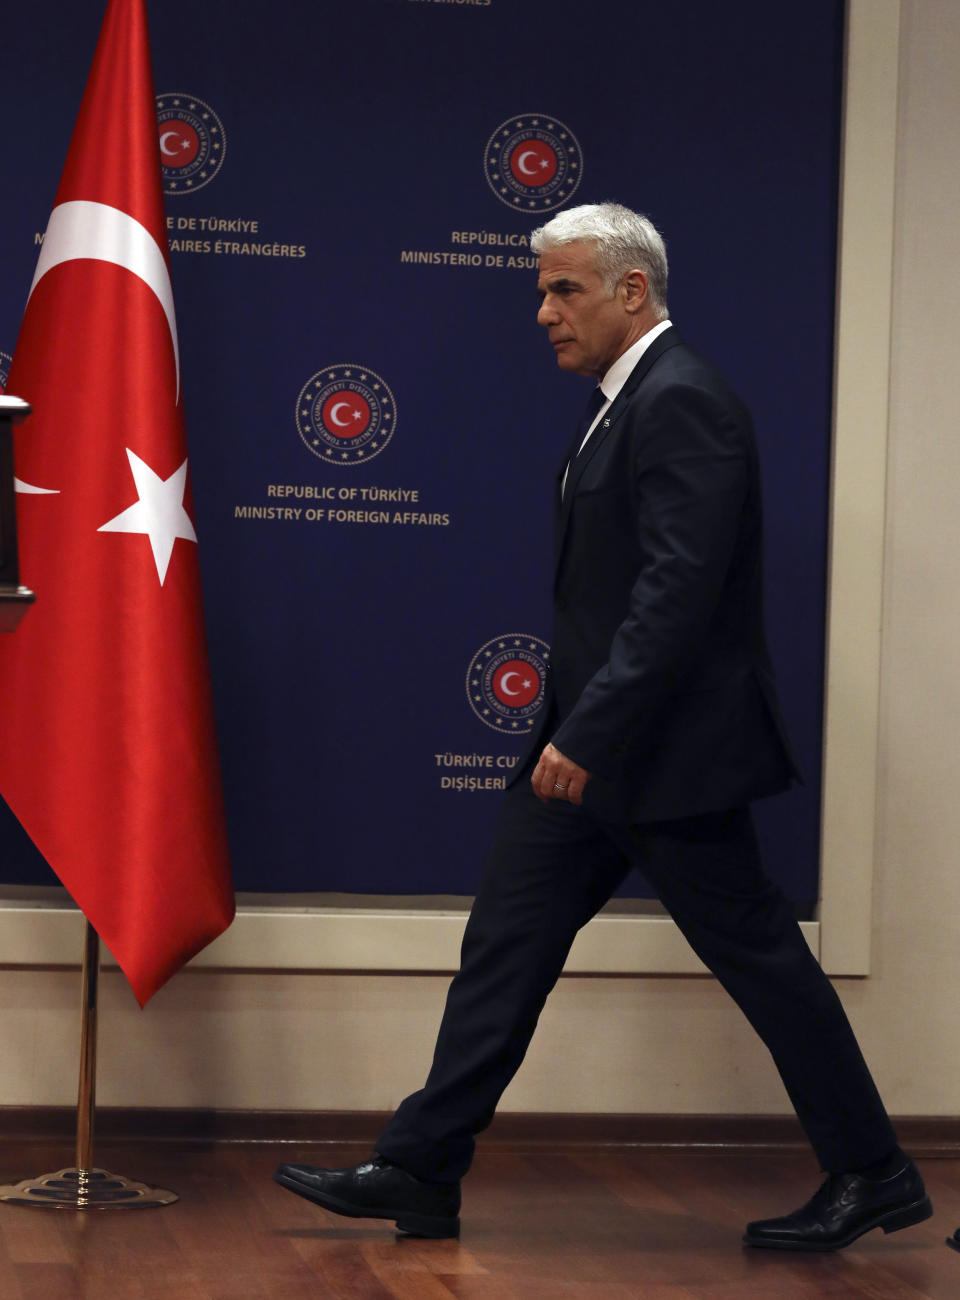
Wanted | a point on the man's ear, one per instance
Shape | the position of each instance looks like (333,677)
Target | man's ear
(634,285)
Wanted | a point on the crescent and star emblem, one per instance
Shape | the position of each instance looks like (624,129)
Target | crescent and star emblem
(85,231)
(342,406)
(505,678)
(521,162)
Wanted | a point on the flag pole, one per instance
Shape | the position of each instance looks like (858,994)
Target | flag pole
(87,1086)
(85,1187)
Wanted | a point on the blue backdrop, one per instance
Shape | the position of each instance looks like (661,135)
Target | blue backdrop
(374,416)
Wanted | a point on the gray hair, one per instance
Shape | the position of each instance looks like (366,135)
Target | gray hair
(622,241)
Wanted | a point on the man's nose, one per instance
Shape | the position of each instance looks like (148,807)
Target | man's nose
(547,315)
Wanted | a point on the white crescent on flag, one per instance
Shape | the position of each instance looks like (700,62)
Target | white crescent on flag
(81,229)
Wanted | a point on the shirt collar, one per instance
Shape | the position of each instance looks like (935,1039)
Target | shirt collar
(619,372)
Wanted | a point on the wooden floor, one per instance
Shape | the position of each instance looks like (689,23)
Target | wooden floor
(623,1225)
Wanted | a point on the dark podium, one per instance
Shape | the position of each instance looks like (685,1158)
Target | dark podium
(14,599)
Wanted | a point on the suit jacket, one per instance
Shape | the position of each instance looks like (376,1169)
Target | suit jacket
(660,680)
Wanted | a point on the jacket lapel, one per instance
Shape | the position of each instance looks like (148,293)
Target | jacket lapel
(668,339)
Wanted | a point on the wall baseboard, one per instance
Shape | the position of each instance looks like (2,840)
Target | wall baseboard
(517,1131)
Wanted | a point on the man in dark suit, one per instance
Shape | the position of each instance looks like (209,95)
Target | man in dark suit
(659,727)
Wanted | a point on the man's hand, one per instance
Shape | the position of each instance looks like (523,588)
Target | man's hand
(558,777)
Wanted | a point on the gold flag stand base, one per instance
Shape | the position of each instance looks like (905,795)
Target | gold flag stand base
(83,1187)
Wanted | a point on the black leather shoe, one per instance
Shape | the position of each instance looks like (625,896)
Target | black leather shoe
(379,1190)
(845,1207)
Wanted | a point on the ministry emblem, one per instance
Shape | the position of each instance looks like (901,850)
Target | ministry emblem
(506,681)
(193,143)
(533,162)
(346,414)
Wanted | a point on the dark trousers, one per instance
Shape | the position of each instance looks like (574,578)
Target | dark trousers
(552,867)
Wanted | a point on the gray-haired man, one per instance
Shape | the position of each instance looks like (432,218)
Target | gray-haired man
(660,727)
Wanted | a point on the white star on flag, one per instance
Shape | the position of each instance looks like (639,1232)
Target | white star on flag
(158,513)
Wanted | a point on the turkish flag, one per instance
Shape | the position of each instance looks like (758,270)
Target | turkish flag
(107,747)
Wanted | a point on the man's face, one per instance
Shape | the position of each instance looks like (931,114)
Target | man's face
(588,328)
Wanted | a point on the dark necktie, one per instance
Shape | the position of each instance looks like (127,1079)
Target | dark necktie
(590,412)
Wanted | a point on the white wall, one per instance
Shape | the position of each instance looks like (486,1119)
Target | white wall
(647,1045)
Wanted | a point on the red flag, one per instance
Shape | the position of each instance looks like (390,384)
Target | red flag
(108,755)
